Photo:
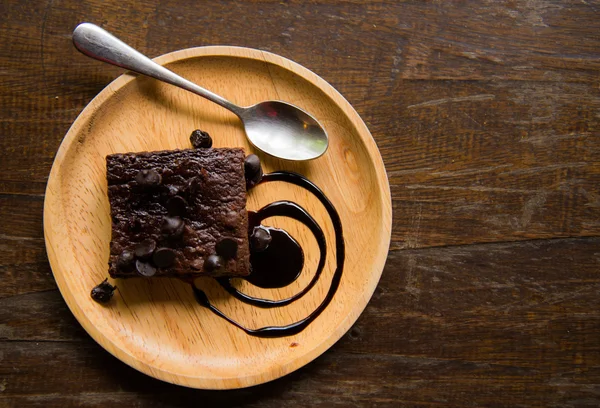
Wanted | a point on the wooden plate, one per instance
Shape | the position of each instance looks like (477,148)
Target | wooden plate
(155,325)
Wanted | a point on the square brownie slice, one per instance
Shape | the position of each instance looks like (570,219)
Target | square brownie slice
(178,213)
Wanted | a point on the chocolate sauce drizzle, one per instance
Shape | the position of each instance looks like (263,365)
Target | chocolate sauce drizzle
(281,263)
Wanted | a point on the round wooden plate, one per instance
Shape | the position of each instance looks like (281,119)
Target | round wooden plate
(155,325)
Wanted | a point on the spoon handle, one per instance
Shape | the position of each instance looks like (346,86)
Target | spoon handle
(99,44)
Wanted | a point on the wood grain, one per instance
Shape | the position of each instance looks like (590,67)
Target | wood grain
(503,99)
(513,325)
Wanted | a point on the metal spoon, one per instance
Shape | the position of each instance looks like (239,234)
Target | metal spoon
(277,128)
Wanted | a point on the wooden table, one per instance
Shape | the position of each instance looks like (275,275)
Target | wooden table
(487,116)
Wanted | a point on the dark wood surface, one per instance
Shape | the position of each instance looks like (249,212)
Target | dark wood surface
(487,116)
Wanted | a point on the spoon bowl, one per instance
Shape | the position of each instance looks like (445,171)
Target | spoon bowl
(283,130)
(277,128)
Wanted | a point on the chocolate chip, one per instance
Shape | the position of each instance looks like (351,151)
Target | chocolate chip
(260,239)
(213,263)
(148,178)
(252,164)
(252,170)
(145,249)
(125,259)
(145,268)
(173,226)
(200,139)
(177,206)
(227,248)
(163,257)
(103,292)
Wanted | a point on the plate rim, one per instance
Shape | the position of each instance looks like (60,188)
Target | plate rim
(53,193)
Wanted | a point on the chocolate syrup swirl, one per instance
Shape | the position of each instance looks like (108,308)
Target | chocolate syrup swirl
(280,264)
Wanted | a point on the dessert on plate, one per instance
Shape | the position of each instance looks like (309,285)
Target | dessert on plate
(178,213)
(182,214)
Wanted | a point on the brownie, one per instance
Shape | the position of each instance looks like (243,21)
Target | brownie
(178,213)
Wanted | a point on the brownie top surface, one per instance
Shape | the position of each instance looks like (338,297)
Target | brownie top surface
(185,202)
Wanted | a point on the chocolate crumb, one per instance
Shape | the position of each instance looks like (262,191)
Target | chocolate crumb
(201,139)
(103,292)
